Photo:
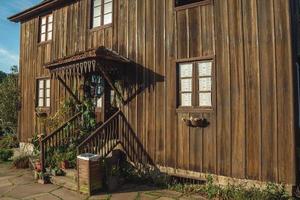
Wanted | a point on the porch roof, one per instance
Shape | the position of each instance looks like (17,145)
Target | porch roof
(100,58)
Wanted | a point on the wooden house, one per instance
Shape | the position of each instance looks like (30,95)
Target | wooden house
(205,86)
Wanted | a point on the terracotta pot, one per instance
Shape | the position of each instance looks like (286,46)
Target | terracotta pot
(65,164)
(38,166)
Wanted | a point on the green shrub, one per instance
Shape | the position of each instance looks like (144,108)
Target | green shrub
(6,154)
(8,142)
(21,161)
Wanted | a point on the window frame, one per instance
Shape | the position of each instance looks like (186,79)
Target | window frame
(102,25)
(44,89)
(195,85)
(191,5)
(46,31)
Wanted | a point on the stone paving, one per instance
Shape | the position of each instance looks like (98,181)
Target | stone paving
(19,184)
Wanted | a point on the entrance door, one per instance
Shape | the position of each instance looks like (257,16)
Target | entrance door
(102,96)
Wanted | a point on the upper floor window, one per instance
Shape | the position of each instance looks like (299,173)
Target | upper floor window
(43,93)
(46,28)
(195,84)
(102,13)
(184,2)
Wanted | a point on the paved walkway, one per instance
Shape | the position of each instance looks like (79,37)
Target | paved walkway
(19,184)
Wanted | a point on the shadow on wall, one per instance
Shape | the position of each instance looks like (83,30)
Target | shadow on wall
(132,78)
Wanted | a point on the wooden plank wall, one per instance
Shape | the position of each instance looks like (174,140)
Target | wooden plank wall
(251,132)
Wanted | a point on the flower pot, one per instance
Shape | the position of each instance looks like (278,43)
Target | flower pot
(65,164)
(196,122)
(38,166)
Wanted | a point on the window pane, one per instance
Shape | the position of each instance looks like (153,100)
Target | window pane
(41,93)
(48,102)
(41,84)
(97,3)
(41,102)
(204,68)
(204,84)
(96,22)
(186,70)
(43,37)
(50,25)
(43,29)
(108,18)
(44,20)
(205,99)
(49,36)
(99,102)
(97,11)
(106,1)
(107,8)
(186,99)
(48,83)
(186,85)
(48,93)
(50,18)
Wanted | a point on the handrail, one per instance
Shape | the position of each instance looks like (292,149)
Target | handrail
(106,136)
(98,129)
(60,136)
(61,127)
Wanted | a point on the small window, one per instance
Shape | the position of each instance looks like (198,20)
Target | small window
(43,93)
(185,2)
(101,13)
(195,84)
(46,28)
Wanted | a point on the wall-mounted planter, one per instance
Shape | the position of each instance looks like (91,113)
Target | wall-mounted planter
(196,122)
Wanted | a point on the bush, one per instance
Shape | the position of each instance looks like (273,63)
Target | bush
(6,154)
(8,142)
(21,162)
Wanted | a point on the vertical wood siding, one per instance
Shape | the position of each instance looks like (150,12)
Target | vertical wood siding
(251,126)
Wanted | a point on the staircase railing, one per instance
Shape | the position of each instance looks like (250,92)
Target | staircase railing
(60,136)
(103,139)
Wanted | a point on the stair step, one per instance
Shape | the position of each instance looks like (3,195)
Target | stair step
(71,173)
(64,181)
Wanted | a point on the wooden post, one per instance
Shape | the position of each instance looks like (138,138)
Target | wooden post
(42,154)
(69,90)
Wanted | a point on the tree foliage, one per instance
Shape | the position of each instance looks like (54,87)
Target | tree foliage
(2,75)
(9,101)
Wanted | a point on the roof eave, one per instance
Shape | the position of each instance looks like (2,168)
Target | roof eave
(35,10)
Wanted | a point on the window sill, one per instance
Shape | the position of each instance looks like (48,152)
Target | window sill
(194,110)
(100,27)
(44,43)
(191,5)
(42,111)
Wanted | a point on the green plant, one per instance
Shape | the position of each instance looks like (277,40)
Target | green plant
(6,154)
(9,141)
(35,141)
(21,161)
(88,115)
(9,101)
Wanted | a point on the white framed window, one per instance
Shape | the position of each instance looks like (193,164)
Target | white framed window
(195,84)
(43,93)
(102,13)
(46,28)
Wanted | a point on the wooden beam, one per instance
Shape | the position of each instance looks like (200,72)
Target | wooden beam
(68,89)
(103,73)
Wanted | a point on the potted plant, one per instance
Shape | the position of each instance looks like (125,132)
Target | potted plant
(64,163)
(38,166)
(56,171)
(44,178)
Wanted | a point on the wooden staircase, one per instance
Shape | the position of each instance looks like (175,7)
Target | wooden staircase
(102,141)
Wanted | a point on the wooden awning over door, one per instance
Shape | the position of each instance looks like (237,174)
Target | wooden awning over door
(100,59)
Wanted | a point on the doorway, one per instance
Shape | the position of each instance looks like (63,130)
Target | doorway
(102,96)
